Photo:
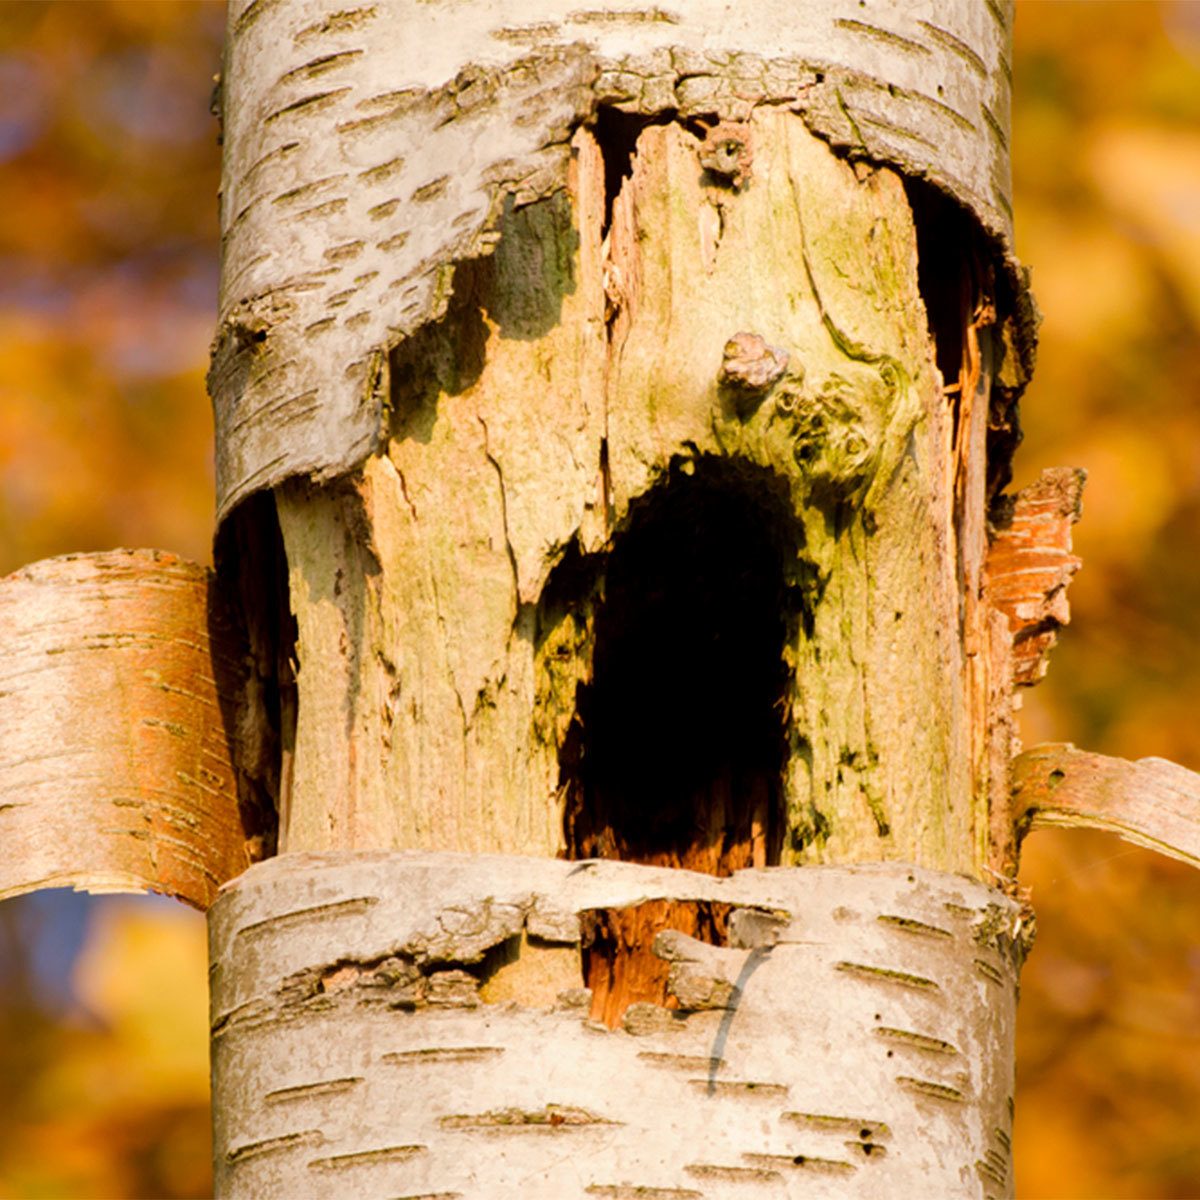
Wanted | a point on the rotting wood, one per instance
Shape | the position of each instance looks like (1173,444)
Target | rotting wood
(622,965)
(1151,802)
(452,658)
(579,382)
(120,678)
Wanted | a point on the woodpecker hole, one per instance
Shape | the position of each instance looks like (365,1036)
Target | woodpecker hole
(680,748)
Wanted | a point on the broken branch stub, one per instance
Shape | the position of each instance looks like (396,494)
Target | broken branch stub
(859,1046)
(121,678)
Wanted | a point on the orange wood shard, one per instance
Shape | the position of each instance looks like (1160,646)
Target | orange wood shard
(118,678)
(1030,564)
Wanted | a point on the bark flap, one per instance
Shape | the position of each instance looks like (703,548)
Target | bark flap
(368,150)
(1152,802)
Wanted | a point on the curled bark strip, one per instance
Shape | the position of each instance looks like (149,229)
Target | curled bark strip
(1151,802)
(117,677)
(1030,564)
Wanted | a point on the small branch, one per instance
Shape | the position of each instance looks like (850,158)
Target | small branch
(1151,802)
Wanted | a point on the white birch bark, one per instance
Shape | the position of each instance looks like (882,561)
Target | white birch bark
(854,1040)
(120,677)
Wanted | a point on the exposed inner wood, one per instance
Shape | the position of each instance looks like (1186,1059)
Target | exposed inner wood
(664,559)
(618,960)
(394,188)
(958,291)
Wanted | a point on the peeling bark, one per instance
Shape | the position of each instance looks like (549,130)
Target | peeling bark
(121,679)
(1030,564)
(370,149)
(1151,802)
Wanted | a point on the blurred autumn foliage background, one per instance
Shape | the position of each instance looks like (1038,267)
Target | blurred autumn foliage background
(108,280)
(108,272)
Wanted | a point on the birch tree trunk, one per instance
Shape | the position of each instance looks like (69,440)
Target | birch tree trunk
(617,613)
(631,385)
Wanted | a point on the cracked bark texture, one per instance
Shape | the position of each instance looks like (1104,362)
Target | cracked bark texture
(854,1038)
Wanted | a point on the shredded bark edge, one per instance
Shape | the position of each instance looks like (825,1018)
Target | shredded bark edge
(274,418)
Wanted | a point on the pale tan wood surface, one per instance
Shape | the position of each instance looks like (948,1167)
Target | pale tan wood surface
(370,148)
